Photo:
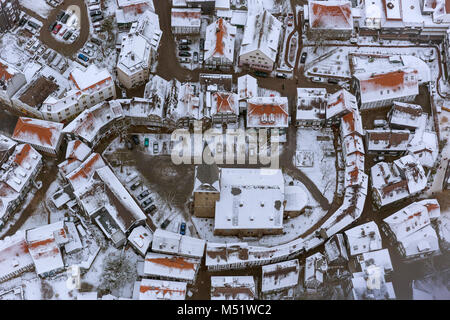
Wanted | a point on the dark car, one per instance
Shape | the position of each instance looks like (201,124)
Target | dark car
(129,145)
(183,228)
(60,15)
(184,54)
(303,57)
(147,202)
(333,81)
(165,224)
(195,57)
(22,22)
(261,74)
(33,25)
(65,18)
(93,13)
(135,185)
(52,26)
(67,35)
(202,44)
(135,139)
(183,47)
(143,195)
(96,41)
(97,18)
(150,210)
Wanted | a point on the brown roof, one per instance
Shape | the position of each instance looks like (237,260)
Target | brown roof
(392,138)
(45,131)
(38,91)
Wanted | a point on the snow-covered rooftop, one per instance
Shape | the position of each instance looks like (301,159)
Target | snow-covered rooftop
(387,140)
(340,103)
(186,17)
(363,238)
(150,289)
(268,112)
(311,103)
(233,288)
(77,150)
(83,174)
(45,134)
(328,15)
(168,266)
(174,243)
(247,87)
(14,255)
(280,276)
(220,39)
(405,115)
(141,238)
(379,258)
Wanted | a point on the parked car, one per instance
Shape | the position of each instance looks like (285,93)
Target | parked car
(165,224)
(96,41)
(281,75)
(195,57)
(260,74)
(60,15)
(202,44)
(57,28)
(64,30)
(185,60)
(135,139)
(150,210)
(135,185)
(333,81)
(146,142)
(184,54)
(183,228)
(143,195)
(183,47)
(22,22)
(67,35)
(147,202)
(155,148)
(65,18)
(129,145)
(185,41)
(52,26)
(97,18)
(88,52)
(93,13)
(316,79)
(303,57)
(33,25)
(83,57)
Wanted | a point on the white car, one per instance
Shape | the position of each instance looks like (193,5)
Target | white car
(317,79)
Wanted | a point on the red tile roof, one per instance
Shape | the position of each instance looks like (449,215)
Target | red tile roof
(331,15)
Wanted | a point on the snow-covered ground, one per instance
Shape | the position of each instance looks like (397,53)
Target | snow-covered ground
(38,6)
(323,170)
(12,53)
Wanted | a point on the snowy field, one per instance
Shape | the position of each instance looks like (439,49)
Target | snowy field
(38,6)
(11,52)
(323,171)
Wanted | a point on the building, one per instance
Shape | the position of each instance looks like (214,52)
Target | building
(150,289)
(405,116)
(363,238)
(247,89)
(251,202)
(281,276)
(410,231)
(268,112)
(315,268)
(138,50)
(106,201)
(295,201)
(219,44)
(129,11)
(392,182)
(206,190)
(43,135)
(259,48)
(76,153)
(186,21)
(223,107)
(380,89)
(9,14)
(330,19)
(140,239)
(335,250)
(174,243)
(233,288)
(17,175)
(371,285)
(387,142)
(11,79)
(93,124)
(380,258)
(16,258)
(7,146)
(163,266)
(88,88)
(311,105)
(45,246)
(143,112)
(339,104)
(351,124)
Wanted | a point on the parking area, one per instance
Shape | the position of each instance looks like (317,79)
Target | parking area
(190,51)
(66,27)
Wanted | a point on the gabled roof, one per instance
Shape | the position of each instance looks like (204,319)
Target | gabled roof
(38,132)
(224,102)
(364,238)
(77,150)
(330,15)
(268,112)
(219,42)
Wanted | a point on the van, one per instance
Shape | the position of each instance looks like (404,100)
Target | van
(379,123)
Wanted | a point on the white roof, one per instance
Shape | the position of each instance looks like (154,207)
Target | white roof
(250,199)
(74,243)
(340,103)
(233,288)
(88,124)
(353,143)
(405,114)
(335,248)
(315,267)
(379,258)
(363,238)
(310,102)
(142,107)
(352,123)
(170,242)
(422,241)
(44,246)
(141,238)
(296,198)
(414,173)
(425,149)
(433,207)
(247,87)
(389,184)
(126,3)
(163,265)
(14,254)
(262,33)
(220,39)
(268,112)
(150,289)
(38,132)
(82,176)
(384,85)
(280,275)
(92,76)
(186,17)
(76,149)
